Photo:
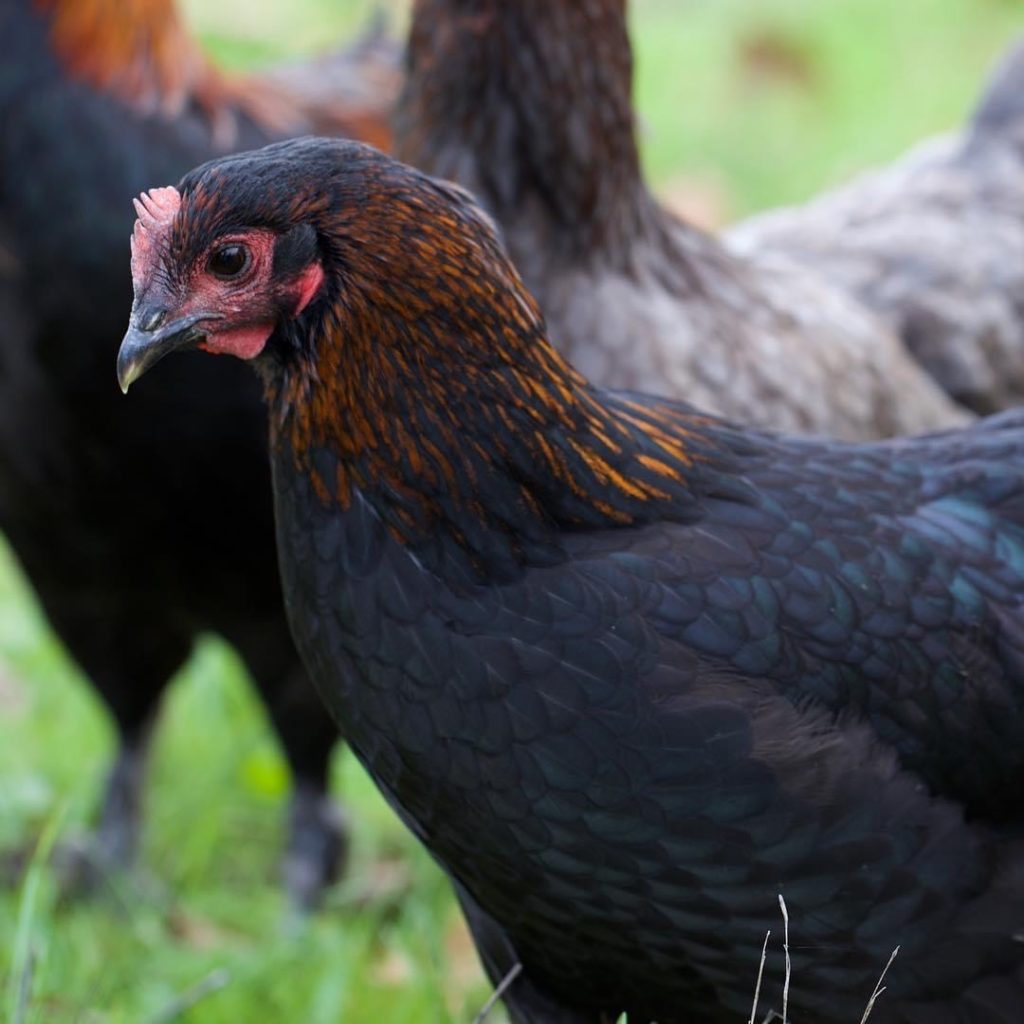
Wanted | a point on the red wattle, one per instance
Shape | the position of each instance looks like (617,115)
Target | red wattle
(243,342)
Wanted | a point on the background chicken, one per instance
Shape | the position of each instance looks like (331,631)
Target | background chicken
(628,671)
(936,243)
(529,106)
(141,52)
(97,98)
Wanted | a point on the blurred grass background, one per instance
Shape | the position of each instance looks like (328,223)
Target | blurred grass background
(744,104)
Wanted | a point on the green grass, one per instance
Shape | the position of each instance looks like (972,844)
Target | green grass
(852,82)
(388,946)
(844,83)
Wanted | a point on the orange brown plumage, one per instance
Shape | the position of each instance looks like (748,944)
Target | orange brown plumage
(142,52)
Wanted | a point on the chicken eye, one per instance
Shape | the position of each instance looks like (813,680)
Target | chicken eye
(228,261)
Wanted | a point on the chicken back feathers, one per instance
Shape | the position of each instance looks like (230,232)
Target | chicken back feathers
(628,671)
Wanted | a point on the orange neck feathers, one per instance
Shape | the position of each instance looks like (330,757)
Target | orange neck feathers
(477,430)
(420,379)
(141,52)
(137,50)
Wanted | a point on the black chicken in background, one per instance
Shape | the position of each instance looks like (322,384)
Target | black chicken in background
(139,523)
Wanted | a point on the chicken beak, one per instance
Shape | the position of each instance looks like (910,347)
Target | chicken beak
(151,336)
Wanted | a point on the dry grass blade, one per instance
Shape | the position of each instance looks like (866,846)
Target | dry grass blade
(789,966)
(498,993)
(879,987)
(760,975)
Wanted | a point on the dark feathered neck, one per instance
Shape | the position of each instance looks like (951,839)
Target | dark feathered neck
(480,448)
(529,104)
(421,375)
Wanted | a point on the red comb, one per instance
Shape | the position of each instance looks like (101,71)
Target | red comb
(156,210)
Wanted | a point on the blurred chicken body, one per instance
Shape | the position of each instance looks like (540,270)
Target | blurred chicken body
(139,524)
(529,106)
(934,242)
(628,671)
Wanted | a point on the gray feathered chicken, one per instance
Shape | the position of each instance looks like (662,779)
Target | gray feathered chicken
(934,242)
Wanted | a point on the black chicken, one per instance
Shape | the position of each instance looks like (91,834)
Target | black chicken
(629,672)
(130,567)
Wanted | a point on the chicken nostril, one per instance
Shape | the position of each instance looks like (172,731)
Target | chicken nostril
(154,320)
